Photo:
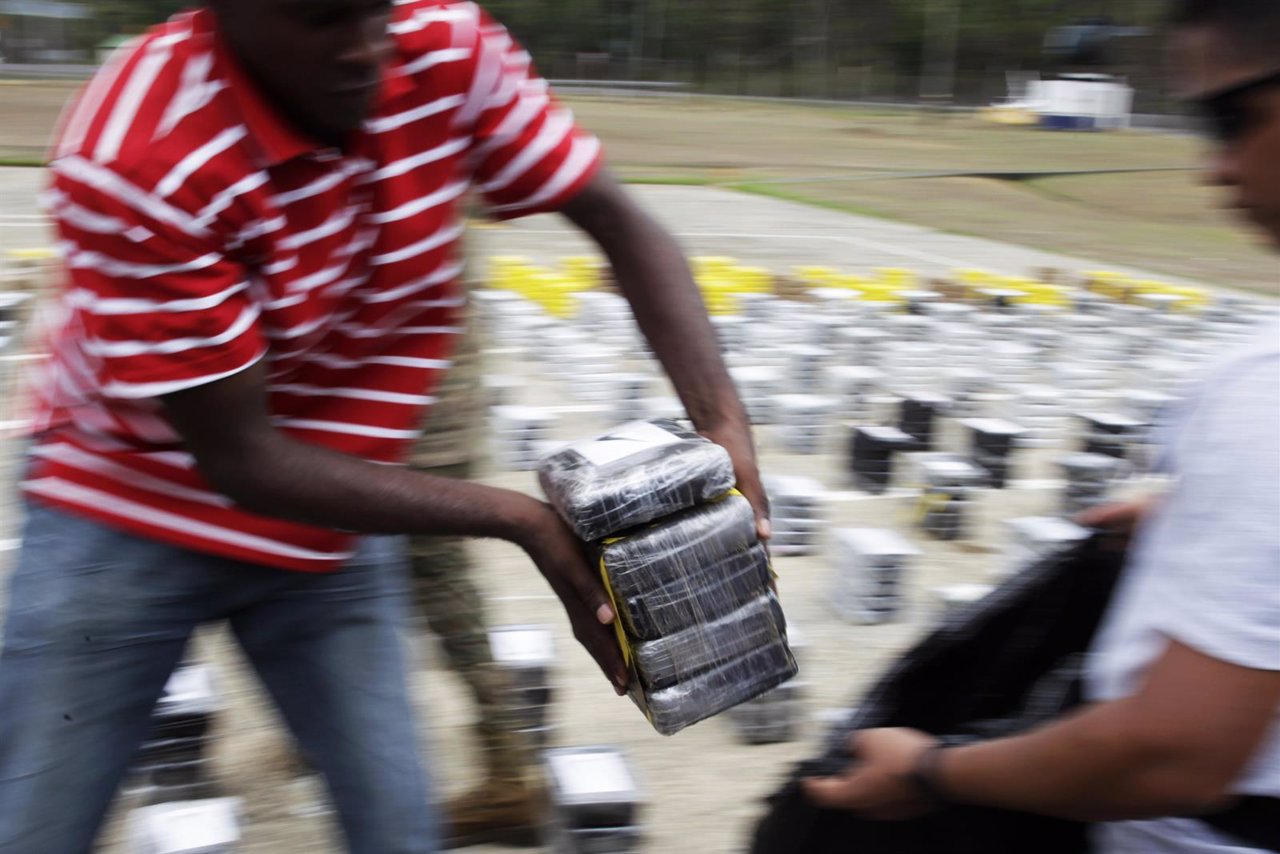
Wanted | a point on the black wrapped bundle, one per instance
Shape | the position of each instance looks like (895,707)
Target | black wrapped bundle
(681,655)
(720,588)
(638,472)
(671,553)
(708,694)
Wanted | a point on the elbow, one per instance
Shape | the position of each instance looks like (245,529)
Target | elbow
(1158,771)
(233,481)
(242,475)
(1181,781)
(1184,792)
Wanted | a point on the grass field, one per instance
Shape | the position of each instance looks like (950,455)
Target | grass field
(949,172)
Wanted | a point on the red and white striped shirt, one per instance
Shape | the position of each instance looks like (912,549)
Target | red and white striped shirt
(201,234)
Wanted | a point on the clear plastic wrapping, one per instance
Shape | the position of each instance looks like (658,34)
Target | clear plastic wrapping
(675,552)
(687,575)
(638,472)
(720,588)
(703,630)
(708,694)
(678,656)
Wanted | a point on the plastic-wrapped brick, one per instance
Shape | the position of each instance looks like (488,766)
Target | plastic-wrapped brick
(684,654)
(676,550)
(722,587)
(708,694)
(632,475)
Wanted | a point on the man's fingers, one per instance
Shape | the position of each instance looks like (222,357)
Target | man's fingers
(589,588)
(602,645)
(753,491)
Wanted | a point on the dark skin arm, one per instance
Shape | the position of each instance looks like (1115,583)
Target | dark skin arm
(226,427)
(655,278)
(1173,748)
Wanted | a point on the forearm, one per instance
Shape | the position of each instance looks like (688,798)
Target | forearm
(655,277)
(279,476)
(1099,764)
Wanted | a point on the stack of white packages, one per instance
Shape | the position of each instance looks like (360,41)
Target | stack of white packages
(493,311)
(701,629)
(913,365)
(864,345)
(757,385)
(804,367)
(853,386)
(593,802)
(758,309)
(608,319)
(803,421)
(210,826)
(587,371)
(1089,478)
(910,327)
(519,435)
(947,483)
(509,322)
(774,716)
(870,564)
(1010,362)
(1110,433)
(965,387)
(795,512)
(823,327)
(1040,412)
(174,760)
(525,655)
(733,332)
(627,394)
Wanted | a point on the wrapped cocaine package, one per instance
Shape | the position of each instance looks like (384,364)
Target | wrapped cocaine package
(677,549)
(634,474)
(673,556)
(730,583)
(732,683)
(661,663)
(701,629)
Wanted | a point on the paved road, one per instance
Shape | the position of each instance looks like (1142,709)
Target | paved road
(759,231)
(779,235)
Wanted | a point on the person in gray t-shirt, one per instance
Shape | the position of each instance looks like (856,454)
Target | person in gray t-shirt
(1185,679)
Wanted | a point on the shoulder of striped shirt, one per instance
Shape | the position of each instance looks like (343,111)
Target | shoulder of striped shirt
(148,126)
(423,27)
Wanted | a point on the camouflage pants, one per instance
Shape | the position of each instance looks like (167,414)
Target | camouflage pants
(447,597)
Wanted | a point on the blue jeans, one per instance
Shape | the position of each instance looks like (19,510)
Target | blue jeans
(97,621)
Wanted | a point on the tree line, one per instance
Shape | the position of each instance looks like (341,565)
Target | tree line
(849,49)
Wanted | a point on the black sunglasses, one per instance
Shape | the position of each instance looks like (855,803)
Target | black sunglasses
(1225,112)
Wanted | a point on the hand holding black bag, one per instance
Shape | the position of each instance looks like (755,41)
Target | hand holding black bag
(1007,663)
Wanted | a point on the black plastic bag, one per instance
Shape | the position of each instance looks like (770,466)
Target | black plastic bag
(1008,662)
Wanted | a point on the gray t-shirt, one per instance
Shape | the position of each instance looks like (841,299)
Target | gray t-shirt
(1206,572)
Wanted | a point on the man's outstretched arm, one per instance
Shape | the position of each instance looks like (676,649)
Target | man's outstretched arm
(655,278)
(226,426)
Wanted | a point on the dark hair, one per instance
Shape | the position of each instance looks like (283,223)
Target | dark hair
(1253,24)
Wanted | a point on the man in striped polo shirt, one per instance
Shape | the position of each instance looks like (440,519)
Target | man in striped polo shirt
(258,204)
